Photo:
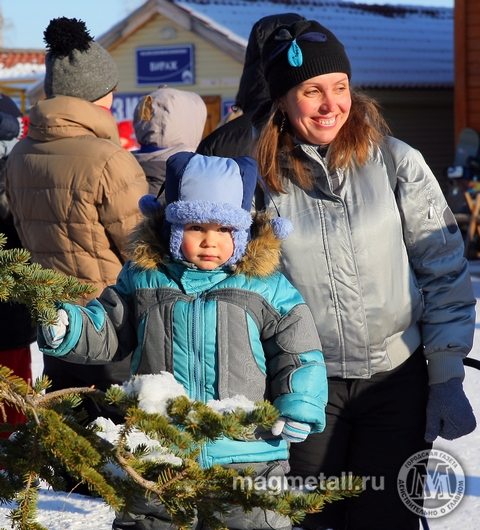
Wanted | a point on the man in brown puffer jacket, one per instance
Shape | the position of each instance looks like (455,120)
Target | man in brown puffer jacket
(72,188)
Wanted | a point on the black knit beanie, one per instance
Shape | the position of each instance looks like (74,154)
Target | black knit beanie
(75,64)
(297,52)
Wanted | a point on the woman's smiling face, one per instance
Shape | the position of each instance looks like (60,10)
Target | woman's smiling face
(318,108)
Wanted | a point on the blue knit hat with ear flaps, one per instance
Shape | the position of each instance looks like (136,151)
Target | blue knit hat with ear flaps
(210,189)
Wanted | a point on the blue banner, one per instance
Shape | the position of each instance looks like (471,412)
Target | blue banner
(169,65)
(124,104)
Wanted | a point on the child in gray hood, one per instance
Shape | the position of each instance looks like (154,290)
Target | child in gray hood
(166,121)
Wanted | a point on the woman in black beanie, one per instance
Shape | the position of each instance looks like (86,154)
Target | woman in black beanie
(378,257)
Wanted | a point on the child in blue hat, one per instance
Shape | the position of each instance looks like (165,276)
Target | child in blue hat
(202,298)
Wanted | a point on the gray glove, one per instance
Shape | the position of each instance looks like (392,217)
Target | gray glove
(449,413)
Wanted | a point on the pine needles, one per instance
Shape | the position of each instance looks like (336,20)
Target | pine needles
(167,468)
(37,288)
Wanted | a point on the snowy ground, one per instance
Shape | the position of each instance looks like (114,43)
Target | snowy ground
(59,511)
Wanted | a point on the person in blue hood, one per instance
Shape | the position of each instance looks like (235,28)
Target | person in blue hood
(202,298)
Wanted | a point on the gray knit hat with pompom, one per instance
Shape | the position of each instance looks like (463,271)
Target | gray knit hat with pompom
(75,64)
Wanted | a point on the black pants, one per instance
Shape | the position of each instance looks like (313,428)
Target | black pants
(372,427)
(150,514)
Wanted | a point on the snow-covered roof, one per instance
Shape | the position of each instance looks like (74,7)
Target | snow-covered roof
(388,46)
(22,64)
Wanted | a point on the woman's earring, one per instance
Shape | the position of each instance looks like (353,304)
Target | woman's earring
(284,119)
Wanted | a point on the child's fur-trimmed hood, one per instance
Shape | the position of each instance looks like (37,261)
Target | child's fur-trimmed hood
(261,258)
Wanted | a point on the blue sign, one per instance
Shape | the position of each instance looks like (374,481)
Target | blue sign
(124,104)
(169,65)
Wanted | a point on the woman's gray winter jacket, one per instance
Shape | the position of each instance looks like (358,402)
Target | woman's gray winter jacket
(381,274)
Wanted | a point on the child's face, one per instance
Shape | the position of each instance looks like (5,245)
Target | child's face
(207,245)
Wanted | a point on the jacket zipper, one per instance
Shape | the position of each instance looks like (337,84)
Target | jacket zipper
(197,361)
(197,380)
(316,155)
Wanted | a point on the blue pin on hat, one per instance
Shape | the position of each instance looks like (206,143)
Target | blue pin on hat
(294,54)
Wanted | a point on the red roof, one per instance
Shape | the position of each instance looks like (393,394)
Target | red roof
(10,58)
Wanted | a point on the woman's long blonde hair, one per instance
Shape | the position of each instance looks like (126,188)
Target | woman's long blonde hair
(365,128)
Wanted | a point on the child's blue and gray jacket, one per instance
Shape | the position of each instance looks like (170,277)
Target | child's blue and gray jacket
(221,333)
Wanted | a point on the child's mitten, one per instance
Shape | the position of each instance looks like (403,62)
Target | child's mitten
(290,430)
(55,334)
(449,413)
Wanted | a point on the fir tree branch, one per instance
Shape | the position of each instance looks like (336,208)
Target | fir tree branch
(43,400)
(53,440)
(38,288)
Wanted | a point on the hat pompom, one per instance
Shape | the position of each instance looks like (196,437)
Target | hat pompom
(63,35)
(76,65)
(282,228)
(148,204)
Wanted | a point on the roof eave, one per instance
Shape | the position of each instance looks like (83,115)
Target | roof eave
(128,25)
(181,16)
